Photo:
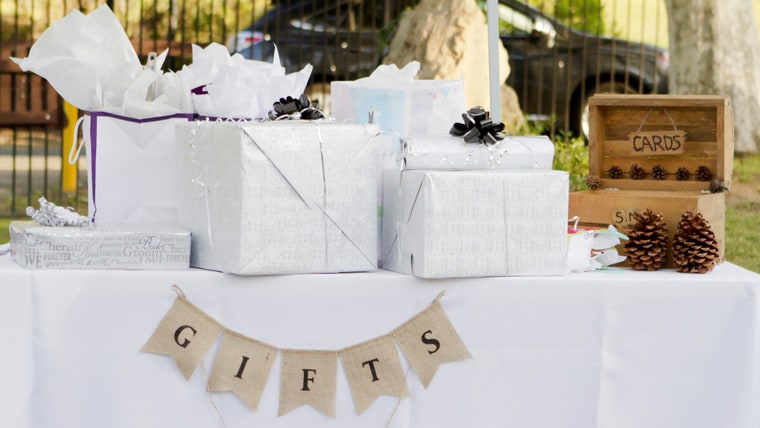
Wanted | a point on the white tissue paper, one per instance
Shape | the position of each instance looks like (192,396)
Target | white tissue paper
(450,152)
(442,224)
(230,86)
(279,197)
(90,61)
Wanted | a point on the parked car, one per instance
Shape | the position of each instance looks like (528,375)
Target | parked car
(555,69)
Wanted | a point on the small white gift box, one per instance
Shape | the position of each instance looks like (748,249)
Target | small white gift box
(279,197)
(441,224)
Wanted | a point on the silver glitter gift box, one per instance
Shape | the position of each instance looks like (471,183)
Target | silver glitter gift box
(279,197)
(445,152)
(115,246)
(441,224)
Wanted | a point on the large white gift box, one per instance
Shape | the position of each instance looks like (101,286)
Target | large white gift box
(447,152)
(279,197)
(114,246)
(442,224)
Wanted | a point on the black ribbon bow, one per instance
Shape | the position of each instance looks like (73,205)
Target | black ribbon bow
(478,127)
(287,108)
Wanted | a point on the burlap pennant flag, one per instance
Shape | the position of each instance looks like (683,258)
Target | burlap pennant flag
(373,368)
(242,365)
(308,377)
(429,340)
(185,333)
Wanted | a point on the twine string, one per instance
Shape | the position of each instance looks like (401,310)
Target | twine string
(672,122)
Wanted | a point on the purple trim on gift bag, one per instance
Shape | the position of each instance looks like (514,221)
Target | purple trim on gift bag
(92,155)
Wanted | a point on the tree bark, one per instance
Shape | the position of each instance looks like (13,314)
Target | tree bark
(450,40)
(714,49)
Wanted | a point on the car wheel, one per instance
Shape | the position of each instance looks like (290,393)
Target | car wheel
(580,121)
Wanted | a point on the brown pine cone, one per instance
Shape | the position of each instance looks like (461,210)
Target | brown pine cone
(717,186)
(695,248)
(703,173)
(682,174)
(615,172)
(593,182)
(647,244)
(637,172)
(658,172)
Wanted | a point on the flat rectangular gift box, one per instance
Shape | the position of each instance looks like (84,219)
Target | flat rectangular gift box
(115,246)
(279,197)
(446,152)
(441,224)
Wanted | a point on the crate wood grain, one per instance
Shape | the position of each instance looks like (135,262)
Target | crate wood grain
(600,208)
(634,129)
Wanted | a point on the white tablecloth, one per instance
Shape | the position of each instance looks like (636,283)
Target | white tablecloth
(631,350)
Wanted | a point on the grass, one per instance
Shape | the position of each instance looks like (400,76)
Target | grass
(743,214)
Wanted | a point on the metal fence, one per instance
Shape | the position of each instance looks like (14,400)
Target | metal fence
(554,69)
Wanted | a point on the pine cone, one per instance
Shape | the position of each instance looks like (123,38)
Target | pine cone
(703,173)
(637,172)
(682,174)
(647,243)
(658,172)
(695,249)
(593,182)
(615,172)
(717,186)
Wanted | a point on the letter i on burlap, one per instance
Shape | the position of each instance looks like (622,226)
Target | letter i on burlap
(429,340)
(185,333)
(242,365)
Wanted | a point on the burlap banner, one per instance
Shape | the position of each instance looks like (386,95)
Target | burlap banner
(242,365)
(308,377)
(185,333)
(429,340)
(373,368)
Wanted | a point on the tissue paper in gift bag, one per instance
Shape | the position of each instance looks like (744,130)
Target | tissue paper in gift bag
(279,197)
(446,152)
(132,173)
(116,246)
(441,224)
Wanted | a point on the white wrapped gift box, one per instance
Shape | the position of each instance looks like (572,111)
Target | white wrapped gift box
(279,197)
(112,246)
(441,224)
(446,152)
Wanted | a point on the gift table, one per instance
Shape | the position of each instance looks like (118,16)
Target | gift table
(634,349)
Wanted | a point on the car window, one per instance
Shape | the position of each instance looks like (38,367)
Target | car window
(514,23)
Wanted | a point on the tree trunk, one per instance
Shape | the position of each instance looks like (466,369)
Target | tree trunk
(450,40)
(714,49)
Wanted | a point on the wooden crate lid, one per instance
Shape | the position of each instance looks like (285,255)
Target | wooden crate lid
(620,123)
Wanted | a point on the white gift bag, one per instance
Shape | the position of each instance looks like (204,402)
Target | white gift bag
(132,173)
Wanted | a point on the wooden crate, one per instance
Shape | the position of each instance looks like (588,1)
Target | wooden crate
(634,129)
(600,208)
